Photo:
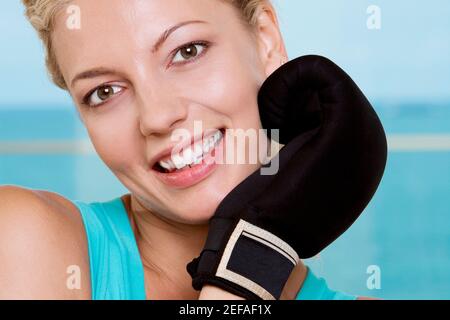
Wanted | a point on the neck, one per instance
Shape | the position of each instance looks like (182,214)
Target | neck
(166,247)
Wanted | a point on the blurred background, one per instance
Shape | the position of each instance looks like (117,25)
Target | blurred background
(396,51)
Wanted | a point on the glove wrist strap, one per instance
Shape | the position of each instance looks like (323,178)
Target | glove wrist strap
(253,259)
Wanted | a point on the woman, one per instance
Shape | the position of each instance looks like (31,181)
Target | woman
(133,84)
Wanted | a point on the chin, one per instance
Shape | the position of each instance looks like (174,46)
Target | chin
(198,213)
(201,209)
(197,205)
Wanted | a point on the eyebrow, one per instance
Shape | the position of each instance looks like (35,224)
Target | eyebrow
(97,72)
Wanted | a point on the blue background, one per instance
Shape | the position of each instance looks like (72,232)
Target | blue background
(404,69)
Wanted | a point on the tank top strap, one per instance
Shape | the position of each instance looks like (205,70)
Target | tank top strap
(116,268)
(315,288)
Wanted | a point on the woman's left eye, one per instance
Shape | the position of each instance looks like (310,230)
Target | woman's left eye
(189,52)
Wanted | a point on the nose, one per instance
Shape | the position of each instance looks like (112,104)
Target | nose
(160,110)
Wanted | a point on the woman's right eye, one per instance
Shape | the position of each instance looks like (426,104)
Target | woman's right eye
(101,94)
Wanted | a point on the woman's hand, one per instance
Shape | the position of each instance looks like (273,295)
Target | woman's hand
(209,292)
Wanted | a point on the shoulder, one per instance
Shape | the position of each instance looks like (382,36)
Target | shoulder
(37,211)
(43,246)
(367,298)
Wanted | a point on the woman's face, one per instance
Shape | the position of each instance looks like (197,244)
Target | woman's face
(148,93)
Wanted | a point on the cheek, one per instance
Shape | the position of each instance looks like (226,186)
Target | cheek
(113,139)
(228,82)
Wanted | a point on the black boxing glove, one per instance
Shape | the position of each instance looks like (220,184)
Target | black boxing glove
(329,169)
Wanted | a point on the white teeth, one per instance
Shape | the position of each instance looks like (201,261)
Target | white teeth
(187,156)
(190,156)
(177,162)
(166,164)
(197,155)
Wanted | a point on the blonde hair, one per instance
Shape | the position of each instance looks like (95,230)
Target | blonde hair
(41,14)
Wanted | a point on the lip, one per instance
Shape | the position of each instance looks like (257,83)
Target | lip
(188,176)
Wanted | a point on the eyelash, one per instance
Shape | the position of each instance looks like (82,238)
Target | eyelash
(206,45)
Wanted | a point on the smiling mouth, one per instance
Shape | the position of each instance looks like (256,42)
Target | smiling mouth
(192,155)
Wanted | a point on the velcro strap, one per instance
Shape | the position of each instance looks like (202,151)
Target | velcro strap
(257,260)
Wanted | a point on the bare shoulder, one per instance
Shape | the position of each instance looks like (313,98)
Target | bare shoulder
(43,246)
(367,298)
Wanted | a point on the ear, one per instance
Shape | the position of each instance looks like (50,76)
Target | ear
(272,51)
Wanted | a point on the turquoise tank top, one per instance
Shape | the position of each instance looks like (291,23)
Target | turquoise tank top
(116,268)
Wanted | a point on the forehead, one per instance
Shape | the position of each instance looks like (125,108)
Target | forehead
(110,25)
(143,18)
(105,13)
